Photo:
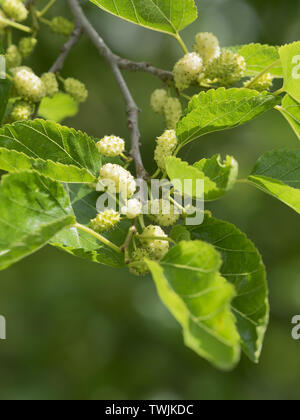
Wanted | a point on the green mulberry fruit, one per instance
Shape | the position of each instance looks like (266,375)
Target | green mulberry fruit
(265,82)
(28,85)
(22,111)
(187,70)
(172,112)
(76,89)
(27,46)
(227,69)
(13,57)
(158,100)
(51,85)
(105,221)
(61,26)
(138,266)
(15,9)
(157,248)
(207,46)
(166,144)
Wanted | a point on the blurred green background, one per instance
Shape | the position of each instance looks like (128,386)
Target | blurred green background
(82,331)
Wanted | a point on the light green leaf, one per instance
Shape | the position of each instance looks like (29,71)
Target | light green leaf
(190,285)
(218,177)
(59,152)
(258,57)
(290,109)
(33,209)
(180,233)
(81,244)
(170,16)
(243,267)
(290,59)
(222,109)
(58,108)
(5,86)
(278,174)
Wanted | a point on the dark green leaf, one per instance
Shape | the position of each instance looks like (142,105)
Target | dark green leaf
(243,267)
(59,152)
(190,285)
(222,109)
(5,86)
(33,209)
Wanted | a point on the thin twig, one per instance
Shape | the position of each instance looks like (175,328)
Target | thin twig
(66,49)
(131,107)
(125,64)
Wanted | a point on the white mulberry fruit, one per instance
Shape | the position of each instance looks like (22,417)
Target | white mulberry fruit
(15,9)
(163,212)
(173,112)
(28,85)
(187,70)
(22,111)
(207,46)
(265,82)
(158,100)
(13,57)
(138,266)
(27,46)
(166,144)
(111,146)
(105,221)
(132,209)
(76,89)
(50,83)
(118,179)
(157,248)
(227,69)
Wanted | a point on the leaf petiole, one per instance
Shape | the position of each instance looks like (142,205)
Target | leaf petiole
(99,237)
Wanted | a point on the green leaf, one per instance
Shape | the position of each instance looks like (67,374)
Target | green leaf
(58,108)
(59,152)
(278,173)
(180,233)
(81,244)
(258,57)
(290,109)
(170,16)
(190,285)
(222,109)
(5,86)
(290,59)
(243,267)
(218,177)
(33,209)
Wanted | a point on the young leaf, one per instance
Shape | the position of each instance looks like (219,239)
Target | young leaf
(80,244)
(59,152)
(290,59)
(170,16)
(258,57)
(33,209)
(5,86)
(243,267)
(278,174)
(190,285)
(222,109)
(58,108)
(218,177)
(290,109)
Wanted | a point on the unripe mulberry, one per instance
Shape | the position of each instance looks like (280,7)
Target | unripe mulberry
(166,145)
(163,212)
(76,89)
(207,46)
(132,209)
(138,266)
(187,70)
(157,248)
(264,83)
(27,46)
(111,146)
(105,221)
(118,179)
(15,9)
(13,57)
(62,26)
(28,85)
(22,111)
(227,69)
(50,83)
(172,112)
(158,100)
